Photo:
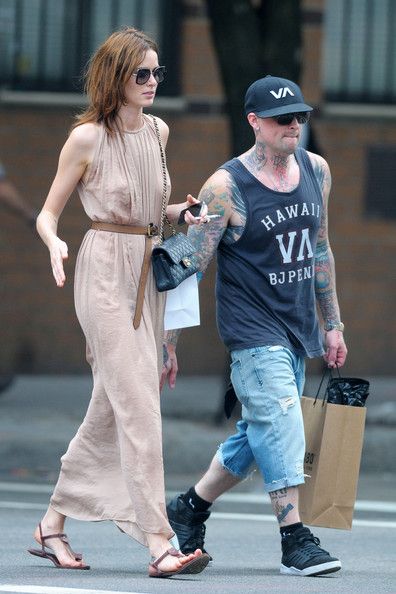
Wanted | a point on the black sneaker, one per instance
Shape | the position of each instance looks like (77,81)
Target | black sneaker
(188,525)
(302,555)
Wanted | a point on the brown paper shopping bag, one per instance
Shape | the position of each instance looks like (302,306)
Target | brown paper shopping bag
(334,441)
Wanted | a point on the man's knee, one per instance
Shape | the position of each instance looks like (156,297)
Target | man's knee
(236,467)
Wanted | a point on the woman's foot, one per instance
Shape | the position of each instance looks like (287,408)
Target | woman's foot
(173,562)
(50,534)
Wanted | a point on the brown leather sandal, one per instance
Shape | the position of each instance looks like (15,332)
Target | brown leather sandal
(45,554)
(194,566)
(77,556)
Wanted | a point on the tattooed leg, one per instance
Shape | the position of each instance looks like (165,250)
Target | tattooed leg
(285,505)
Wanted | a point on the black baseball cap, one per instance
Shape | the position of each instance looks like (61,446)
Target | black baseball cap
(273,96)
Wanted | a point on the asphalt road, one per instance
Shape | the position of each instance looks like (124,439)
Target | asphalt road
(39,415)
(241,535)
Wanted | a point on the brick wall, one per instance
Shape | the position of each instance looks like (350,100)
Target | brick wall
(364,248)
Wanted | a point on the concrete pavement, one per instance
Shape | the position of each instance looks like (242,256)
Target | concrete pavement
(40,414)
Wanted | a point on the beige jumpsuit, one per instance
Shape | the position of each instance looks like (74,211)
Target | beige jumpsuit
(113,468)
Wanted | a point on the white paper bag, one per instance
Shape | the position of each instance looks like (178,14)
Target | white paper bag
(182,305)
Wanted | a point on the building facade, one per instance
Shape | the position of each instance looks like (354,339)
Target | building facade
(351,81)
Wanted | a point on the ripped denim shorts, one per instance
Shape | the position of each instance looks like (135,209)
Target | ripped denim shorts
(268,382)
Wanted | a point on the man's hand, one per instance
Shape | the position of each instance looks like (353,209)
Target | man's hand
(336,350)
(170,367)
(189,218)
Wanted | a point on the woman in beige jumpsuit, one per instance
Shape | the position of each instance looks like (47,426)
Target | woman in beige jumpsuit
(113,468)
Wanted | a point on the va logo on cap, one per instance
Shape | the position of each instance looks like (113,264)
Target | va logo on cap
(283,91)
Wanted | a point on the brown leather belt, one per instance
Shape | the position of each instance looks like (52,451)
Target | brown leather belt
(150,231)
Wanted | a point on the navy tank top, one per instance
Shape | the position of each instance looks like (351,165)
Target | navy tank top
(265,280)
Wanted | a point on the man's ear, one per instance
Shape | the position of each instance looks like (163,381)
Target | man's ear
(253,121)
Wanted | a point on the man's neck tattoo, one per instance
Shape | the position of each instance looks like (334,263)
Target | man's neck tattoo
(279,173)
(273,171)
(257,158)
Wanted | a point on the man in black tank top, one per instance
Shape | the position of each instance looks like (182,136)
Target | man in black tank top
(275,265)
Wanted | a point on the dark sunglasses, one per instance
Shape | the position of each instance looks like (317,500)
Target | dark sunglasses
(143,74)
(287,118)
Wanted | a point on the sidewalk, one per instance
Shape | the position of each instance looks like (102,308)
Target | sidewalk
(40,414)
(197,402)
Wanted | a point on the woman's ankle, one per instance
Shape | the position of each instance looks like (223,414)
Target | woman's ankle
(53,520)
(158,545)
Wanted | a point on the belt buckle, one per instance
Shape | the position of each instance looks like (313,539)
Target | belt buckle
(152,230)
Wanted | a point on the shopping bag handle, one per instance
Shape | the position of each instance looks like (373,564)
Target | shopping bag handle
(327,371)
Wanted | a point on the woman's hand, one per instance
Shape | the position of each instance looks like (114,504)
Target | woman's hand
(58,252)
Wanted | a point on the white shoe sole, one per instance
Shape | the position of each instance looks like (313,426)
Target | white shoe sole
(321,569)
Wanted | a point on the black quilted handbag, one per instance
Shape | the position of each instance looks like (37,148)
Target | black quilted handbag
(174,259)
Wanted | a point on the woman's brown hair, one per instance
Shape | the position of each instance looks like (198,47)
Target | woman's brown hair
(108,71)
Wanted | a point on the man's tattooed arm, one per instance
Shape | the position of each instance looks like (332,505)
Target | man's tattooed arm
(165,354)
(222,198)
(325,282)
(217,193)
(171,337)
(237,222)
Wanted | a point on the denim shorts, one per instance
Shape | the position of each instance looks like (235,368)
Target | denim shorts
(268,381)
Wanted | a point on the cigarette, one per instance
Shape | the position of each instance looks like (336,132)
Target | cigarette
(214,216)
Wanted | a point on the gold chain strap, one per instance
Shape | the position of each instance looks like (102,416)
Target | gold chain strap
(164,217)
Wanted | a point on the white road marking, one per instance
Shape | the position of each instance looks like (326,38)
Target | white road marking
(50,590)
(215,515)
(378,506)
(360,505)
(25,487)
(253,498)
(270,518)
(22,505)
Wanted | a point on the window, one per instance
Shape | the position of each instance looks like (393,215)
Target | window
(380,173)
(360,51)
(45,44)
